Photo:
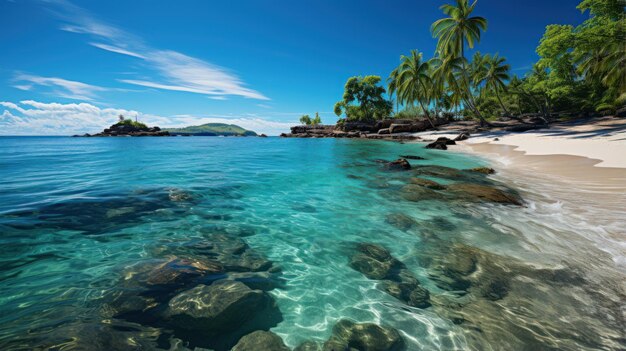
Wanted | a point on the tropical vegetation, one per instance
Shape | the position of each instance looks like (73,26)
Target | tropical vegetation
(581,71)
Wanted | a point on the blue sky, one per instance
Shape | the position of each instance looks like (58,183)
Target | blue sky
(69,67)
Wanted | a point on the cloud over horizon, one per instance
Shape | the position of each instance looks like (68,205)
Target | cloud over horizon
(177,71)
(31,117)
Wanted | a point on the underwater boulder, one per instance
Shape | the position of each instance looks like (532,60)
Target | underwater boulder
(400,221)
(348,335)
(260,340)
(398,165)
(221,306)
(427,183)
(418,193)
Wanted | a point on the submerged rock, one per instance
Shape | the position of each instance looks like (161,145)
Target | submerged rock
(398,165)
(376,263)
(484,193)
(427,183)
(221,306)
(348,335)
(412,157)
(261,340)
(401,221)
(308,346)
(439,172)
(417,193)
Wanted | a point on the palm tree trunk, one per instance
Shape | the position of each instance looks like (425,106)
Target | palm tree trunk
(427,115)
(469,91)
(501,104)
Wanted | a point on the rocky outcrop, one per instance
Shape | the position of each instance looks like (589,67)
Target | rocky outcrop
(129,129)
(261,340)
(348,335)
(383,129)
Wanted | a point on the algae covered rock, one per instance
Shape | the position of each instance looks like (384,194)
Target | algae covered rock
(223,305)
(260,340)
(484,193)
(427,183)
(401,221)
(348,335)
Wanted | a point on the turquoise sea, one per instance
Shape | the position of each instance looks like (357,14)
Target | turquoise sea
(98,234)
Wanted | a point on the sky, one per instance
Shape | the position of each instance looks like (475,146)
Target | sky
(69,67)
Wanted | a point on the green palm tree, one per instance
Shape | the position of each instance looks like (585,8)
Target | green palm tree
(392,85)
(447,71)
(454,33)
(496,75)
(414,82)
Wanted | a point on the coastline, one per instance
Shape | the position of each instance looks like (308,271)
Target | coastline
(579,170)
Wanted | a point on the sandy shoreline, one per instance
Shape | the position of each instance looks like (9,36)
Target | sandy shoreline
(579,168)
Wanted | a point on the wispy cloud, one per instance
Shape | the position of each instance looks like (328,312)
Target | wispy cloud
(58,86)
(177,71)
(31,117)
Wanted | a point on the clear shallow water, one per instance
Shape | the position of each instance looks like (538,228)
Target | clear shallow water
(78,214)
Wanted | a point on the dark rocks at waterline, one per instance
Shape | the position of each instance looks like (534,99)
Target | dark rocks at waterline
(348,335)
(441,144)
(401,221)
(483,170)
(484,193)
(462,136)
(129,129)
(398,165)
(260,340)
(376,263)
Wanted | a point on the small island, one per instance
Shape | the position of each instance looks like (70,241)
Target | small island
(128,127)
(212,129)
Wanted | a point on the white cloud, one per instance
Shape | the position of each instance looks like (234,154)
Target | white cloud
(177,71)
(58,86)
(31,117)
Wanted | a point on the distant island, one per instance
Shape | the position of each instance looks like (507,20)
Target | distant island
(212,129)
(128,127)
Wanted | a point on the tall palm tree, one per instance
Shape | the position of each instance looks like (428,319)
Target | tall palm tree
(392,85)
(497,73)
(414,82)
(455,32)
(448,71)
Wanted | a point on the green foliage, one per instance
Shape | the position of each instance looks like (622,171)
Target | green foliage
(130,122)
(363,100)
(414,82)
(317,120)
(410,112)
(213,129)
(305,119)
